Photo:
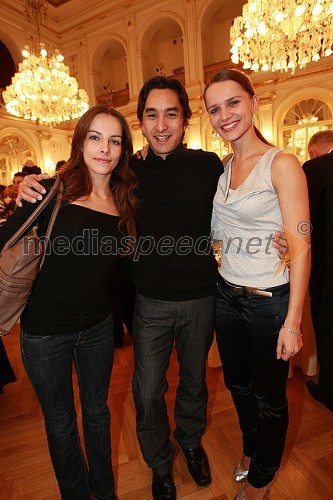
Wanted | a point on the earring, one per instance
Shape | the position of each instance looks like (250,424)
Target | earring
(253,120)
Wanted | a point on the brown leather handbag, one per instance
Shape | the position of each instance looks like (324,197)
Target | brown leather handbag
(21,260)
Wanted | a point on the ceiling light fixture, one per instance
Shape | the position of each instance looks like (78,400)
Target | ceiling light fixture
(282,35)
(42,90)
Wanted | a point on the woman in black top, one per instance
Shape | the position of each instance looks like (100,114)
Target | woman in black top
(68,316)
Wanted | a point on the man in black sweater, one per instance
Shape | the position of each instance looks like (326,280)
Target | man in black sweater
(319,173)
(175,275)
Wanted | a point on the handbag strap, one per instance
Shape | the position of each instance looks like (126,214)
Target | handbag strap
(52,221)
(20,232)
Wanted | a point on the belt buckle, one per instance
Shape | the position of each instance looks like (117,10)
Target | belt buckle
(256,291)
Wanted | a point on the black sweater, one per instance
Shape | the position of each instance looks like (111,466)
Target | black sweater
(71,291)
(176,200)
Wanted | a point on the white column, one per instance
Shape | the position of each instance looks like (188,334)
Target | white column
(266,117)
(191,49)
(44,138)
(134,58)
(85,71)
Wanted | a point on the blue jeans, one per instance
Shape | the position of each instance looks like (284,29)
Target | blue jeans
(157,325)
(48,362)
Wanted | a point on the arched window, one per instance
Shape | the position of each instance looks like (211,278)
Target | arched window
(303,120)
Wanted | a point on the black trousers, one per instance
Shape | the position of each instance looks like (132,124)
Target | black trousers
(321,312)
(247,328)
(157,325)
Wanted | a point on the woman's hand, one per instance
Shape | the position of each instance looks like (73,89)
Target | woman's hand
(28,194)
(288,344)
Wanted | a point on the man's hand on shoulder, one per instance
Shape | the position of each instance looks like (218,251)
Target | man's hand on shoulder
(142,153)
(30,189)
(281,244)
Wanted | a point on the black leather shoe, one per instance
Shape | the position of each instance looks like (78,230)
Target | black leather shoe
(163,487)
(317,394)
(198,466)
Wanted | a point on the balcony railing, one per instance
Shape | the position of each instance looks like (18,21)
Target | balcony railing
(116,98)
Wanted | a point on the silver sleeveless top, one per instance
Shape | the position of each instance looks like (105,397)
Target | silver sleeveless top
(246,219)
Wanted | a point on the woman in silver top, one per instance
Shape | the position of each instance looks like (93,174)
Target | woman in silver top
(259,301)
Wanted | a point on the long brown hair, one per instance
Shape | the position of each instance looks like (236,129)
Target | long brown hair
(76,177)
(242,79)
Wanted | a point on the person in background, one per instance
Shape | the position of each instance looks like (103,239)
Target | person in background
(319,174)
(8,193)
(258,312)
(33,169)
(59,164)
(17,179)
(320,143)
(75,327)
(28,163)
(3,207)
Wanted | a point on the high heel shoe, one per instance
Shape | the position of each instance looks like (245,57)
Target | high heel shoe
(239,475)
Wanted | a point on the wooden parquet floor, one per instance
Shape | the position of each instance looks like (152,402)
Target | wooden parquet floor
(26,472)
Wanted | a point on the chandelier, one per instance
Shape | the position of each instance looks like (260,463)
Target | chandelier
(282,35)
(42,90)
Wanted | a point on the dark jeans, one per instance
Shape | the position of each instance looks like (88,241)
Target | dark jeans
(48,361)
(157,325)
(247,328)
(321,312)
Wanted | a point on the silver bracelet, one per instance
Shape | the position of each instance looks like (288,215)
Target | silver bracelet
(299,334)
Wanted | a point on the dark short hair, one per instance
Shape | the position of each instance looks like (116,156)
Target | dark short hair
(59,164)
(162,82)
(20,174)
(34,169)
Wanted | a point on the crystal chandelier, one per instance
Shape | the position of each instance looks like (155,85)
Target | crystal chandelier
(282,35)
(42,90)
